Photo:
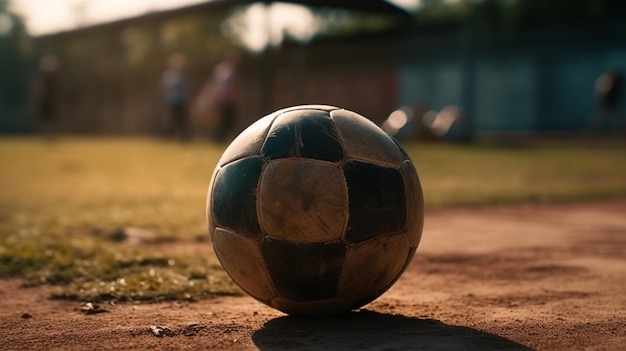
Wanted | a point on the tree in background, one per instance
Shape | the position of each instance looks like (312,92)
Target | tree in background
(503,14)
(16,58)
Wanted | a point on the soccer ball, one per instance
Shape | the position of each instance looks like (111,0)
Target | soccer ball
(314,210)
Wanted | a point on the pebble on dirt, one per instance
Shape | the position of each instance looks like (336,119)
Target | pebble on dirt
(161,330)
(91,308)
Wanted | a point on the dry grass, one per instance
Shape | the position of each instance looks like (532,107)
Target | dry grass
(62,202)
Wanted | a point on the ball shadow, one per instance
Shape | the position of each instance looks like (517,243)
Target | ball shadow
(367,330)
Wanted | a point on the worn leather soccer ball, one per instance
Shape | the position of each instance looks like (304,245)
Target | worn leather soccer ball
(315,210)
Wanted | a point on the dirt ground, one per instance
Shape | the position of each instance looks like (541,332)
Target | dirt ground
(545,277)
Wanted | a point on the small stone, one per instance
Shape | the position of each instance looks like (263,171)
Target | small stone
(91,308)
(160,330)
(26,315)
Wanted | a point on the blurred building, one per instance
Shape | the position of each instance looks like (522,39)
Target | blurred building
(532,81)
(528,81)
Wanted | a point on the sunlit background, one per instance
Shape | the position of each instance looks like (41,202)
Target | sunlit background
(59,15)
(49,16)
(439,69)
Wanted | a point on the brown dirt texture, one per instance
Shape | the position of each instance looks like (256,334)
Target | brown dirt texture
(544,277)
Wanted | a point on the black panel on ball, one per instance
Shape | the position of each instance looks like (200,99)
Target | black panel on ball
(234,196)
(376,200)
(303,133)
(304,272)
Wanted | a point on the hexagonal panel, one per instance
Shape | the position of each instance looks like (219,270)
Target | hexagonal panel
(233,203)
(249,142)
(242,260)
(372,267)
(303,133)
(303,200)
(376,201)
(304,272)
(364,140)
(414,203)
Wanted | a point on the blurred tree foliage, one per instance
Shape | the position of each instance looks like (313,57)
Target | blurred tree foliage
(338,22)
(16,54)
(485,14)
(512,14)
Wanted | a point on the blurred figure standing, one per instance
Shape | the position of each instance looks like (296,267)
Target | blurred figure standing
(609,88)
(225,83)
(45,91)
(174,83)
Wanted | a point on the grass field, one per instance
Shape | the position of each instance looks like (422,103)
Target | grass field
(62,204)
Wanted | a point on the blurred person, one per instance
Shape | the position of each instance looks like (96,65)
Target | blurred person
(204,111)
(174,83)
(45,92)
(215,105)
(609,89)
(224,81)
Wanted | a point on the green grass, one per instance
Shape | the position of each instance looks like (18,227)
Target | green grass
(62,202)
(454,175)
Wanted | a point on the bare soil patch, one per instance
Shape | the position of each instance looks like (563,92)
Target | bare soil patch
(545,277)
